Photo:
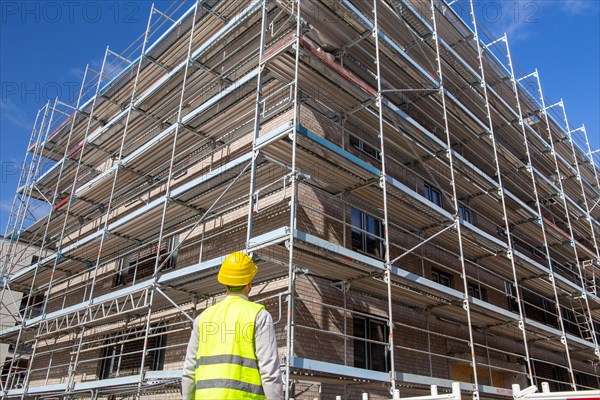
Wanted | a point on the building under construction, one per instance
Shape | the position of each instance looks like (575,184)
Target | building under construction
(420,213)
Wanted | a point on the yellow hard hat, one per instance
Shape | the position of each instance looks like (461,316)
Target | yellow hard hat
(238,269)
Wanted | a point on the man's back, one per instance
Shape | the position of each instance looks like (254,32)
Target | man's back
(226,365)
(232,353)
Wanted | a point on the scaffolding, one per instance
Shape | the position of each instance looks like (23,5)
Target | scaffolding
(420,215)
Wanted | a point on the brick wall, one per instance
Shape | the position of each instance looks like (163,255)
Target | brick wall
(320,326)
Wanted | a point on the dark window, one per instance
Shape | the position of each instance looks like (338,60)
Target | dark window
(549,312)
(132,269)
(172,252)
(18,373)
(465,214)
(365,148)
(539,253)
(108,362)
(142,268)
(32,306)
(511,295)
(560,376)
(477,292)
(25,349)
(432,194)
(501,232)
(579,380)
(570,321)
(368,355)
(157,355)
(367,232)
(123,268)
(179,174)
(441,277)
(123,353)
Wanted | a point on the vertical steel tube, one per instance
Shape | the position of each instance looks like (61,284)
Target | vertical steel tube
(587,312)
(157,264)
(293,203)
(457,219)
(383,185)
(561,324)
(500,188)
(257,115)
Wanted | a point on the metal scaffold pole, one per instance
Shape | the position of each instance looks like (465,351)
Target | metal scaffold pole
(31,298)
(456,213)
(591,159)
(53,205)
(562,195)
(290,331)
(257,123)
(74,184)
(500,189)
(595,264)
(579,176)
(9,247)
(19,208)
(579,167)
(30,294)
(56,194)
(158,265)
(29,174)
(383,185)
(584,297)
(73,364)
(45,238)
(530,169)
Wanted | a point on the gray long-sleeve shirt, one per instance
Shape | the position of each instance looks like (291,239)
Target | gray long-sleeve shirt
(265,350)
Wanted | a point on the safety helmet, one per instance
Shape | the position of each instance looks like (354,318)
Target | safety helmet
(238,269)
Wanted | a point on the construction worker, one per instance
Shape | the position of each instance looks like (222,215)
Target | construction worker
(232,353)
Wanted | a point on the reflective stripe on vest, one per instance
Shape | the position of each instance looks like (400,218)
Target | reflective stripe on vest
(227,359)
(230,384)
(226,365)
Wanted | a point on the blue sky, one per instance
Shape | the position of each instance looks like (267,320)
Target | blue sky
(45,46)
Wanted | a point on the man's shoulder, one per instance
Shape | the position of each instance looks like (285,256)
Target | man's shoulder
(264,317)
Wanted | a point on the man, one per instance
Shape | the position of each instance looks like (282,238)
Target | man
(232,353)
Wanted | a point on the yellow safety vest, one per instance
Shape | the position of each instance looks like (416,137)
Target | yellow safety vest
(226,365)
